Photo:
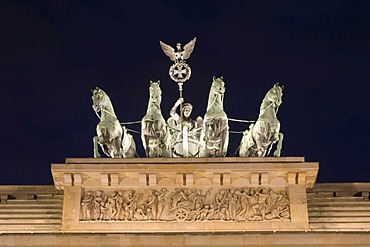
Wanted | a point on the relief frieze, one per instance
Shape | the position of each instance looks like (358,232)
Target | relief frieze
(186,204)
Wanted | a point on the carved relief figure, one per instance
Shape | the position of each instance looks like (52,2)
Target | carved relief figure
(119,205)
(87,204)
(152,204)
(162,202)
(131,204)
(233,205)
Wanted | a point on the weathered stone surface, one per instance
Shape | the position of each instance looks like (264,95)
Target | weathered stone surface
(185,194)
(184,239)
(321,198)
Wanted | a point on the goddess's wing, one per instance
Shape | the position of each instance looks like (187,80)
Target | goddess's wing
(188,48)
(168,50)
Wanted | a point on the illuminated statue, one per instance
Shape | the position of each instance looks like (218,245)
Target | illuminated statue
(154,134)
(214,138)
(185,131)
(111,136)
(258,140)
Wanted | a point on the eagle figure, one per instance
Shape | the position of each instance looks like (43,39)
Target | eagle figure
(177,56)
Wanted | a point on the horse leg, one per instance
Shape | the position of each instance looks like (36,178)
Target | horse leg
(126,145)
(224,143)
(274,139)
(279,145)
(203,141)
(261,148)
(259,132)
(132,150)
(261,152)
(270,148)
(95,143)
(117,152)
(243,146)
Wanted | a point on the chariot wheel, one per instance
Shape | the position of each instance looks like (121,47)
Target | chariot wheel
(181,214)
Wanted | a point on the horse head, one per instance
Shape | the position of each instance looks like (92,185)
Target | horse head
(102,104)
(274,95)
(216,94)
(155,93)
(218,85)
(99,98)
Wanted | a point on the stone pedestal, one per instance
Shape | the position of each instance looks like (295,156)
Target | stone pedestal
(185,194)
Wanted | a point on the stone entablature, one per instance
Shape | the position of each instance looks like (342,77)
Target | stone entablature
(174,172)
(185,194)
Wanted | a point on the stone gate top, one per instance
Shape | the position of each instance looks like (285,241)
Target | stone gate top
(185,194)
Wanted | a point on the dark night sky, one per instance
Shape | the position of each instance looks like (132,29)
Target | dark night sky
(53,52)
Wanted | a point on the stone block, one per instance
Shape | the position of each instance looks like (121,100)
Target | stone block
(179,179)
(292,178)
(301,178)
(216,179)
(226,179)
(67,179)
(142,179)
(108,239)
(255,179)
(197,240)
(227,239)
(77,180)
(189,179)
(7,240)
(145,240)
(32,240)
(71,207)
(298,203)
(83,240)
(264,178)
(152,179)
(104,179)
(114,179)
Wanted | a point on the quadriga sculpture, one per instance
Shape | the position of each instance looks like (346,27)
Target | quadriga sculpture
(111,136)
(214,138)
(266,131)
(154,133)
